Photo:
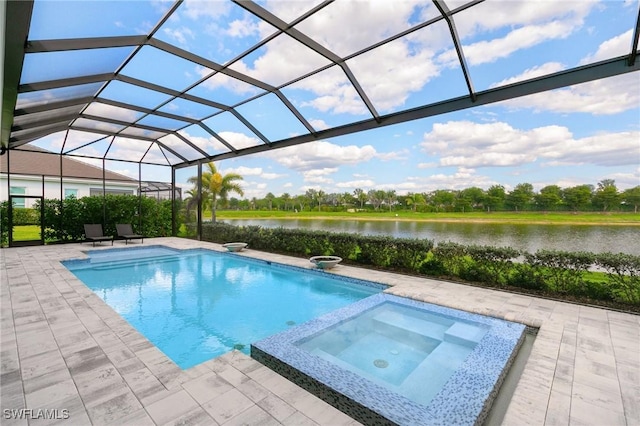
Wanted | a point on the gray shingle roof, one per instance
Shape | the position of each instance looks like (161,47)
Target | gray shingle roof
(31,160)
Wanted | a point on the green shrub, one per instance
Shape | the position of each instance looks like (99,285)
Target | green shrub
(492,263)
(409,254)
(432,266)
(562,271)
(452,256)
(524,275)
(25,216)
(375,250)
(623,273)
(345,245)
(64,220)
(4,223)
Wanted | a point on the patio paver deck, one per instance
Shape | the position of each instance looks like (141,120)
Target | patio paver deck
(62,348)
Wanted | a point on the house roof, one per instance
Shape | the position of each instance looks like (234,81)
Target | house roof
(31,160)
(91,83)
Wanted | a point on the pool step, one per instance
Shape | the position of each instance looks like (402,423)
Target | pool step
(102,265)
(412,324)
(431,374)
(455,332)
(465,334)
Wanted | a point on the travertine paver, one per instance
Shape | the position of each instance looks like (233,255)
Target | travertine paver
(62,348)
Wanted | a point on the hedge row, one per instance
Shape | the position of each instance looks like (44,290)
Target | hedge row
(64,220)
(554,272)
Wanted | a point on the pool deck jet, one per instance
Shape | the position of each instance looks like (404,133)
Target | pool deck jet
(68,358)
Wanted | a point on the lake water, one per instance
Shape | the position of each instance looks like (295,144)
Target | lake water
(592,238)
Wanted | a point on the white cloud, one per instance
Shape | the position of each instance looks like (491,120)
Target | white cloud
(321,172)
(600,97)
(242,28)
(271,176)
(318,124)
(319,175)
(537,71)
(394,155)
(487,51)
(616,46)
(239,140)
(181,35)
(320,155)
(515,14)
(353,184)
(244,171)
(194,9)
(468,144)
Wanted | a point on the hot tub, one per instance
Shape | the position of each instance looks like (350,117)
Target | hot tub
(395,360)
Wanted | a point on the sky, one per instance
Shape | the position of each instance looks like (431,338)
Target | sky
(571,136)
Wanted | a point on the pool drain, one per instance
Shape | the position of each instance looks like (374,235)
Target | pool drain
(238,346)
(291,322)
(381,363)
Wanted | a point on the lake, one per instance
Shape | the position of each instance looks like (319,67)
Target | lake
(526,237)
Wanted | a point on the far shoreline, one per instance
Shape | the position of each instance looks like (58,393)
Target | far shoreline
(221,216)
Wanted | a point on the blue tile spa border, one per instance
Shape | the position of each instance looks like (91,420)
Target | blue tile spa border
(465,398)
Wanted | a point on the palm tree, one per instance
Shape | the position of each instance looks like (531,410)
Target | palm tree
(191,201)
(216,187)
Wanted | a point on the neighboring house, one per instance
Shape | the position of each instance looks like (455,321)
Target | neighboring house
(30,165)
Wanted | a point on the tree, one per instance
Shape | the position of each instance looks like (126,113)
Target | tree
(577,197)
(442,199)
(269,198)
(631,197)
(311,195)
(606,195)
(390,197)
(549,197)
(495,197)
(191,201)
(414,199)
(347,199)
(376,198)
(476,195)
(521,195)
(321,196)
(361,196)
(462,203)
(216,187)
(301,200)
(286,199)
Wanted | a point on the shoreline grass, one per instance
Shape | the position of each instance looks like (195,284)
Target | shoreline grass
(533,218)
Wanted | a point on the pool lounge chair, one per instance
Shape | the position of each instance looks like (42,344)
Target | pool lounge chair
(93,232)
(126,232)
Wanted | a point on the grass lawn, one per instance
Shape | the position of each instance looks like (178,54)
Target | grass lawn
(26,233)
(590,218)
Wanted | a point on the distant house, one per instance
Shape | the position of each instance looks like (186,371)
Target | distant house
(33,167)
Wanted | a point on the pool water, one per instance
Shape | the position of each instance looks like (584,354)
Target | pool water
(195,305)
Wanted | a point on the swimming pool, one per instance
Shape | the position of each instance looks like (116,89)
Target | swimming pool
(197,304)
(390,359)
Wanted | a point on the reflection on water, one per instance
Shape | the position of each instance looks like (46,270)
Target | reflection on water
(526,237)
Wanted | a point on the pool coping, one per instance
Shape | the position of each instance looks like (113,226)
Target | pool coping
(61,346)
(465,398)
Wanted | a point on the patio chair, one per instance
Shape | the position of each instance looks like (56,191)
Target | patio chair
(125,232)
(93,232)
